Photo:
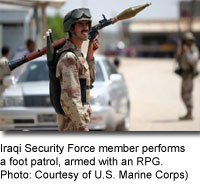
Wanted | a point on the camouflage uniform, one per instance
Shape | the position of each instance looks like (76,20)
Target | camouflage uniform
(4,70)
(188,63)
(72,67)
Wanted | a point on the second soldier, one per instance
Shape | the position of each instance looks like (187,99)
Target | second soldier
(187,57)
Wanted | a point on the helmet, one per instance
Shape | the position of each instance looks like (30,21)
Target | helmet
(76,15)
(188,36)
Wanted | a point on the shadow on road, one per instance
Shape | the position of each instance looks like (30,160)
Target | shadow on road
(166,121)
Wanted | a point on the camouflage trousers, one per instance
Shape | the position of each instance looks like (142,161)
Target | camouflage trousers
(186,91)
(65,123)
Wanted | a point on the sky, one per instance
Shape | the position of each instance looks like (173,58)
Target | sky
(160,9)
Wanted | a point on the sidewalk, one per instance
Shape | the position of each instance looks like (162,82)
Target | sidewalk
(155,96)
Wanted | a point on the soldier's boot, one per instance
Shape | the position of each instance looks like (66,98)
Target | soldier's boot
(188,116)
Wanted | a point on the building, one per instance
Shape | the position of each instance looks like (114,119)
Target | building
(189,9)
(158,38)
(16,27)
(23,19)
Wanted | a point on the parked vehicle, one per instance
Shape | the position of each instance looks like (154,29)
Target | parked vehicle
(26,105)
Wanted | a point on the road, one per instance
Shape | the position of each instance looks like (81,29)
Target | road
(155,96)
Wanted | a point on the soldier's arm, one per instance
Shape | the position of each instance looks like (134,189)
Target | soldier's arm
(67,72)
(178,54)
(93,46)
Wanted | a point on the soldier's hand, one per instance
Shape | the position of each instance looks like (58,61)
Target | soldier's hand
(93,46)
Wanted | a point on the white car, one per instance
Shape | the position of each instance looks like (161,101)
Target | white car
(26,105)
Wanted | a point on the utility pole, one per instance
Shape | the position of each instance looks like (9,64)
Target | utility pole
(191,19)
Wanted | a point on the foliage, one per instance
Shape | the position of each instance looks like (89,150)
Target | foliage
(56,25)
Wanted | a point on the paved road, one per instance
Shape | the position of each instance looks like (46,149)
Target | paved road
(155,96)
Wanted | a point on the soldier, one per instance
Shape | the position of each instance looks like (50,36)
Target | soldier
(187,57)
(75,73)
(22,51)
(4,70)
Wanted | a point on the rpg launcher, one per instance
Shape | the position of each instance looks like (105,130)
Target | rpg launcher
(52,46)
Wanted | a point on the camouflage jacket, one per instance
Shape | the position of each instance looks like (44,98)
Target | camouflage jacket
(72,67)
(188,60)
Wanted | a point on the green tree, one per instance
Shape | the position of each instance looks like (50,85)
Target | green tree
(56,25)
